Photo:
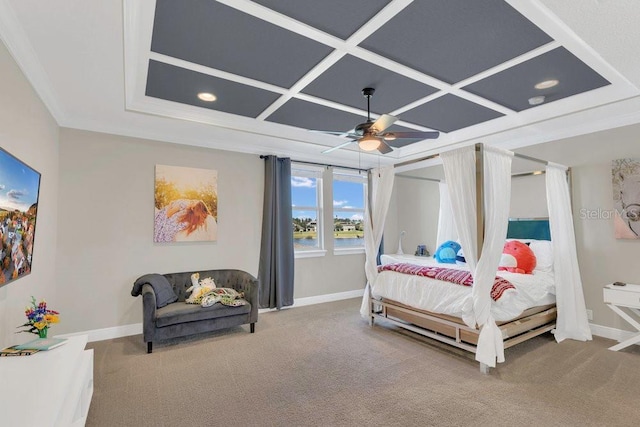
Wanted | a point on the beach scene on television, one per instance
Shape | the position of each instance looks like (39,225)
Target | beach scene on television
(19,185)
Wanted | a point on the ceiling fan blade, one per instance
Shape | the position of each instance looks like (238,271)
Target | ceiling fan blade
(383,122)
(384,148)
(412,135)
(337,147)
(329,132)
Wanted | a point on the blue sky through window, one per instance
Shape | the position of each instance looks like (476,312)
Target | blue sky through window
(348,195)
(345,195)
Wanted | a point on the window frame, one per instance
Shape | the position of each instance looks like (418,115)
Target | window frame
(315,172)
(349,176)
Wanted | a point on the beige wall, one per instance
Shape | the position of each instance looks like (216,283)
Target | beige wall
(416,204)
(28,131)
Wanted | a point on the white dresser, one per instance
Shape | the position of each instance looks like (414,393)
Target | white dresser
(49,388)
(624,296)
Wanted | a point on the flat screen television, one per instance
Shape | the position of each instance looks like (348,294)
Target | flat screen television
(19,191)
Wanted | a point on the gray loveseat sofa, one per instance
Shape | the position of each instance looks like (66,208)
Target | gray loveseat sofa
(166,315)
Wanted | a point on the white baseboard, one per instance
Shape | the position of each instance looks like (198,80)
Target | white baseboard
(136,328)
(318,299)
(611,333)
(109,333)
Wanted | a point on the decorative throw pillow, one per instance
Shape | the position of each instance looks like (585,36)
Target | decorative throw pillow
(543,250)
(460,259)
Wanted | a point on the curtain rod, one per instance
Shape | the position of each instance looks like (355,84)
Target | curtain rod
(433,156)
(324,165)
(533,159)
(518,175)
(418,177)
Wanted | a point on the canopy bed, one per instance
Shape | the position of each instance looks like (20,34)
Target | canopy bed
(492,312)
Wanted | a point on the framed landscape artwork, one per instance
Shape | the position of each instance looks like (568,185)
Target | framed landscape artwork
(186,204)
(626,198)
(19,190)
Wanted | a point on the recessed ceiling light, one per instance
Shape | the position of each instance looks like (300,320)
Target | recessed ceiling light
(536,100)
(547,84)
(206,96)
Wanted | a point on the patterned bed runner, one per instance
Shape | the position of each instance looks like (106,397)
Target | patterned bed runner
(459,277)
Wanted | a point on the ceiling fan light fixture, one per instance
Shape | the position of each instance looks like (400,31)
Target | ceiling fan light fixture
(389,136)
(369,143)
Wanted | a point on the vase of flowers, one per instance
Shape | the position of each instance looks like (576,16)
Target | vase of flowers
(39,318)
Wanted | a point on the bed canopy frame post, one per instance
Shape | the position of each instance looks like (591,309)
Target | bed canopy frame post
(479,197)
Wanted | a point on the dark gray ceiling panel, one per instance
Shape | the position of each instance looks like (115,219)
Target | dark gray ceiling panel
(514,86)
(177,84)
(336,17)
(456,39)
(449,113)
(220,37)
(308,115)
(344,81)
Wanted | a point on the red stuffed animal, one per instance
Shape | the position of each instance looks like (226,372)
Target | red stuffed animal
(517,258)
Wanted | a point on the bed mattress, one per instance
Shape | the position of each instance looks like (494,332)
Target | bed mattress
(437,296)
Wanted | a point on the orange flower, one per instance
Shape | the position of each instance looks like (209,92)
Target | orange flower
(51,318)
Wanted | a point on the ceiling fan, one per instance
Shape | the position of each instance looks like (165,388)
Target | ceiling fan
(370,135)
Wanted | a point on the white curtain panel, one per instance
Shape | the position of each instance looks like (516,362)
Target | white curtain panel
(460,176)
(572,319)
(374,217)
(446,224)
(497,201)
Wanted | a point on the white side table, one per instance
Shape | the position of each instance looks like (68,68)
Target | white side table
(624,296)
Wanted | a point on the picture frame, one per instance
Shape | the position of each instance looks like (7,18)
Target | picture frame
(625,174)
(19,194)
(186,204)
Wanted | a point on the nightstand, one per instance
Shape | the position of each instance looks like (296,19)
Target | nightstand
(624,296)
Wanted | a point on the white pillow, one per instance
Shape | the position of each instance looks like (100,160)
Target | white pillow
(543,250)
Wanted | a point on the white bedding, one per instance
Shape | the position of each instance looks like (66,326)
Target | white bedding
(453,299)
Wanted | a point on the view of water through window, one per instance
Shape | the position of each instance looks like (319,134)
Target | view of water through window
(347,210)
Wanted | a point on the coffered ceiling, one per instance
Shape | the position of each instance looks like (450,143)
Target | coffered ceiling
(281,70)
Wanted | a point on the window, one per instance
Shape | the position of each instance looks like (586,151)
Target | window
(349,193)
(306,201)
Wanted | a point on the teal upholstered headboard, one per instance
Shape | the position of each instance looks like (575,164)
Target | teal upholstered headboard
(529,228)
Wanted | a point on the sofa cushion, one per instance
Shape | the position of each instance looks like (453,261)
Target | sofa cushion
(180,312)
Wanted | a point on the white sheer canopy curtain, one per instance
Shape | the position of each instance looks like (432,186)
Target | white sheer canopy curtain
(375,214)
(459,166)
(572,319)
(446,224)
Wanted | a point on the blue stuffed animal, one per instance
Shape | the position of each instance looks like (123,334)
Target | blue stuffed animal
(447,252)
